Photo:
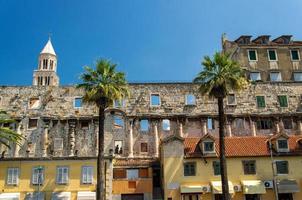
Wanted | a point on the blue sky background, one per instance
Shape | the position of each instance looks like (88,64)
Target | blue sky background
(151,40)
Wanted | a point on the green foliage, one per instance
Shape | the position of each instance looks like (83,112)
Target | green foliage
(104,84)
(6,134)
(220,76)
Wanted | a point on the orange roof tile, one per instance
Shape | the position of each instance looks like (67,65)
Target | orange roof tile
(243,146)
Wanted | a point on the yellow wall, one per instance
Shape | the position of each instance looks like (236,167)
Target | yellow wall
(49,186)
(173,173)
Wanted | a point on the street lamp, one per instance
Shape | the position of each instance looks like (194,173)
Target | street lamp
(273,169)
(40,170)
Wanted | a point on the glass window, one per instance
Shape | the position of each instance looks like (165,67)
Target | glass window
(37,175)
(283,101)
(282,167)
(287,123)
(260,101)
(210,124)
(282,144)
(87,174)
(155,100)
(297,76)
(144,147)
(295,55)
(272,55)
(119,173)
(252,55)
(119,103)
(264,124)
(62,175)
(189,169)
(32,123)
(216,168)
(190,99)
(208,146)
(231,99)
(118,122)
(166,125)
(118,147)
(249,166)
(132,173)
(144,125)
(12,176)
(255,76)
(275,76)
(78,102)
(58,144)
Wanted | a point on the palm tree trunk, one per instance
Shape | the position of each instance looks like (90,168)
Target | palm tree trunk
(100,162)
(223,166)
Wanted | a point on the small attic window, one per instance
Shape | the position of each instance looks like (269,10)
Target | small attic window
(208,146)
(282,145)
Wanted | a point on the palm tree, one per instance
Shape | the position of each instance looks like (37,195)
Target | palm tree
(102,86)
(7,135)
(220,76)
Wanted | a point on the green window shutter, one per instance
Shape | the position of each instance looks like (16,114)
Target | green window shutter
(272,55)
(252,55)
(295,54)
(282,101)
(260,101)
(216,168)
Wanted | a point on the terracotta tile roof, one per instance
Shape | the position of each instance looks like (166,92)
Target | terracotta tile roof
(133,162)
(243,146)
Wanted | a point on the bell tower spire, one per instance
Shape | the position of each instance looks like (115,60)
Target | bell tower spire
(46,74)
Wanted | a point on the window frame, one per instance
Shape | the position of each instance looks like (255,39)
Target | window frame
(204,146)
(258,96)
(282,149)
(132,178)
(291,55)
(169,125)
(246,164)
(74,102)
(33,128)
(82,175)
(42,175)
(189,173)
(216,163)
(186,100)
(13,174)
(299,72)
(255,73)
(235,100)
(118,118)
(256,55)
(275,72)
(286,97)
(144,143)
(120,148)
(291,123)
(159,99)
(57,175)
(269,125)
(140,126)
(212,123)
(287,166)
(269,59)
(116,105)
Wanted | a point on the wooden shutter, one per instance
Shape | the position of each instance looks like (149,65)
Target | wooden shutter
(143,173)
(119,173)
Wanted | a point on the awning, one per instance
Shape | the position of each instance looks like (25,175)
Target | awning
(86,196)
(194,188)
(217,188)
(253,187)
(288,186)
(9,196)
(61,196)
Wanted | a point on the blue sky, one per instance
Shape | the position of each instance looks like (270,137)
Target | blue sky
(151,40)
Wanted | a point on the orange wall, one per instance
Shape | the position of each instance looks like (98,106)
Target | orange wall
(142,186)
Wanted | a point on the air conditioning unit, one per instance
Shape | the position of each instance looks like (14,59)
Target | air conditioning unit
(268,184)
(237,188)
(206,189)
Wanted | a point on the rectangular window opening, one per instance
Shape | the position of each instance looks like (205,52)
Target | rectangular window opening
(190,99)
(144,125)
(155,100)
(190,169)
(166,125)
(283,101)
(260,101)
(252,54)
(78,101)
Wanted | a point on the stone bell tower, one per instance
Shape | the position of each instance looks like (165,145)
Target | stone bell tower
(46,74)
